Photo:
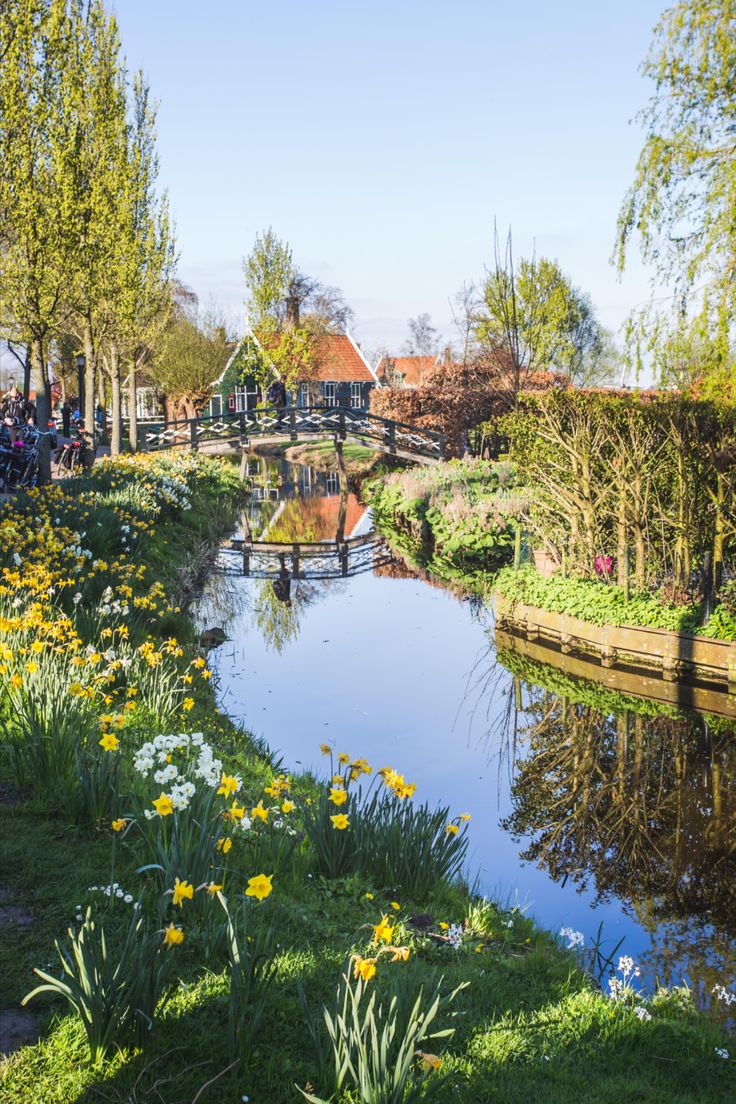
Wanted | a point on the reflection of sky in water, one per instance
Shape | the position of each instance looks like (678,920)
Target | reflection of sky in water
(402,673)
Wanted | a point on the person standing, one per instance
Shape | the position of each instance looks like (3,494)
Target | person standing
(66,419)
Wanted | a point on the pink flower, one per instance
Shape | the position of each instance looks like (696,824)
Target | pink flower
(603,565)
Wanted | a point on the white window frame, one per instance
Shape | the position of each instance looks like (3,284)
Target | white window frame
(216,406)
(356,394)
(330,393)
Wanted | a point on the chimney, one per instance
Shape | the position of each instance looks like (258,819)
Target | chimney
(292,311)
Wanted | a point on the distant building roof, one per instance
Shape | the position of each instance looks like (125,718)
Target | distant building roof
(410,368)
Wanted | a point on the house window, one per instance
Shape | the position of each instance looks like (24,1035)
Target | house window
(329,394)
(247,396)
(216,406)
(332,483)
(356,394)
(303,395)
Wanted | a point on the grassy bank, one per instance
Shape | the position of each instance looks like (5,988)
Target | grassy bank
(460,512)
(321,455)
(120,772)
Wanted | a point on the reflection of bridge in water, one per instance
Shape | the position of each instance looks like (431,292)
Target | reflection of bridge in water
(338,559)
(303,524)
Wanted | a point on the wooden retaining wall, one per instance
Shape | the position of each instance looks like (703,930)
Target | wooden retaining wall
(674,656)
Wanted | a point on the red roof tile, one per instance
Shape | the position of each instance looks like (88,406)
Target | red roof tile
(338,359)
(411,368)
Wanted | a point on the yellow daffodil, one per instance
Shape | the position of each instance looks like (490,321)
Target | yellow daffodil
(429,1061)
(288,807)
(325,749)
(338,797)
(237,812)
(395,906)
(258,812)
(444,925)
(213,889)
(368,896)
(224,845)
(182,891)
(383,932)
(364,968)
(343,758)
(31,667)
(260,886)
(399,954)
(228,785)
(109,742)
(452,829)
(187,704)
(119,824)
(163,805)
(339,821)
(173,935)
(465,816)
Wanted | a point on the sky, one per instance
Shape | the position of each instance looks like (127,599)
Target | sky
(382,140)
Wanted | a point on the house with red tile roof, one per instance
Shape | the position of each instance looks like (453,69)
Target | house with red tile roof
(339,376)
(404,371)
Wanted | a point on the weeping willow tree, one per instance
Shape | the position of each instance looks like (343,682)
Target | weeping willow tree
(682,201)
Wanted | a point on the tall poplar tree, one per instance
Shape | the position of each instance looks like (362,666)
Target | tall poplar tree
(39,180)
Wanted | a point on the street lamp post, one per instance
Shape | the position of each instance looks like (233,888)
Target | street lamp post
(81,365)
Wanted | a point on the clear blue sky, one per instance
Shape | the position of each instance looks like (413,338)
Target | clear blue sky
(381,139)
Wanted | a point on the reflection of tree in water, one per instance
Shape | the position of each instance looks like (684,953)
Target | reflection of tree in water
(643,807)
(278,623)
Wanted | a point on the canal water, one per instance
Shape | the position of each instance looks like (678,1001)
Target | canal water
(594,810)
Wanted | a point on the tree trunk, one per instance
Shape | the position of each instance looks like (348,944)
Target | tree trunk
(90,373)
(43,408)
(115,388)
(621,538)
(132,409)
(27,374)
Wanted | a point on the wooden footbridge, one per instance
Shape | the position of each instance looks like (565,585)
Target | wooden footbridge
(236,432)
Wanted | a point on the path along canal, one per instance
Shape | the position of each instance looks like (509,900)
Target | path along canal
(588,807)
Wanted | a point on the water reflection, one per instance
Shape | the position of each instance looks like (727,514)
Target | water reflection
(605,804)
(636,800)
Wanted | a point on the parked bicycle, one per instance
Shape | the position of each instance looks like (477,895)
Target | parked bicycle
(78,453)
(20,449)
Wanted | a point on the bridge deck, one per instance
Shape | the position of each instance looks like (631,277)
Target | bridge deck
(237,431)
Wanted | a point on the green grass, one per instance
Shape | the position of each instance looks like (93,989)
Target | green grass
(531,1027)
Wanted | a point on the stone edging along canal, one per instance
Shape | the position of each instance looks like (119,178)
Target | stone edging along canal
(673,656)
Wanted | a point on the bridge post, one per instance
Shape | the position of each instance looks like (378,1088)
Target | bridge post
(441,446)
(193,435)
(143,431)
(292,424)
(341,424)
(391,437)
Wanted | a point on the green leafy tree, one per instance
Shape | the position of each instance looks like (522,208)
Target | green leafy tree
(682,201)
(288,311)
(532,319)
(39,181)
(192,353)
(145,258)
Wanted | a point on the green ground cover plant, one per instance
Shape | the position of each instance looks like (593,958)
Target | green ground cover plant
(202,817)
(603,603)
